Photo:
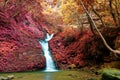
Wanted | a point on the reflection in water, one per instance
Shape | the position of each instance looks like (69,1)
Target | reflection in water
(48,76)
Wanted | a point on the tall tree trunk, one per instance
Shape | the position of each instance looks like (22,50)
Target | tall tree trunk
(91,25)
(117,4)
(112,12)
(80,22)
(104,41)
(100,17)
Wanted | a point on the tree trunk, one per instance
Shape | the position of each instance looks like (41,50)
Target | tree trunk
(100,17)
(104,41)
(112,12)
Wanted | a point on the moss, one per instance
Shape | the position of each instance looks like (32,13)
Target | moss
(110,74)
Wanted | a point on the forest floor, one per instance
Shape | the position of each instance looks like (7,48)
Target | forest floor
(60,75)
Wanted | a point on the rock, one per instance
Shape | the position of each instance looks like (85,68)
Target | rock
(10,77)
(110,74)
(72,66)
(3,78)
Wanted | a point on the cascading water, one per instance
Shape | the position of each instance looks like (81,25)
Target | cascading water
(50,65)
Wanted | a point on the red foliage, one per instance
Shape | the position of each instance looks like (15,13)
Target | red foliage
(19,33)
(21,62)
(68,47)
(71,47)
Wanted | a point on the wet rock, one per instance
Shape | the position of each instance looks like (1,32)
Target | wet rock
(110,74)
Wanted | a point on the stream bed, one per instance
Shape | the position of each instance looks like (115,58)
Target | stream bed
(60,75)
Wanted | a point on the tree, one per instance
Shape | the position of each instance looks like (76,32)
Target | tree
(19,7)
(115,11)
(73,13)
(104,41)
(69,10)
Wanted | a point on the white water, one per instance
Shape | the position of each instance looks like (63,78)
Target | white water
(50,65)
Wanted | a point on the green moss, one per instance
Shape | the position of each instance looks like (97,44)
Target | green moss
(110,74)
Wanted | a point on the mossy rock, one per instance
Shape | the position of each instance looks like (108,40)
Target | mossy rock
(110,74)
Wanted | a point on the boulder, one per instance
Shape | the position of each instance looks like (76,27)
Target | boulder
(9,77)
(110,74)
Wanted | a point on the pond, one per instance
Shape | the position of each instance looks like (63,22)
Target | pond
(60,75)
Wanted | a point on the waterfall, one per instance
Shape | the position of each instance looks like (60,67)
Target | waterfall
(50,65)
